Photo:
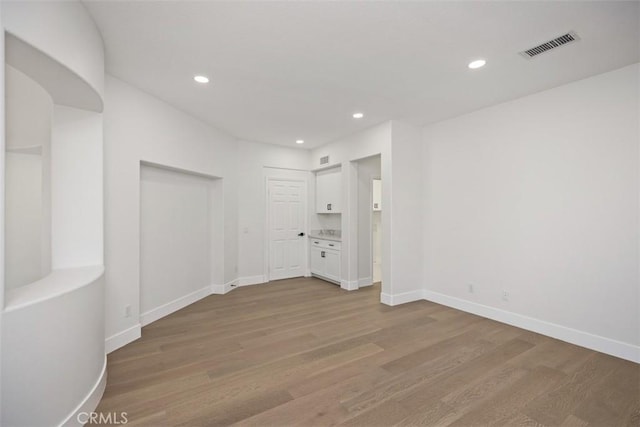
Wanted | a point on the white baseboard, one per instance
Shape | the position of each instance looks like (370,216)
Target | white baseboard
(251,280)
(349,285)
(584,339)
(122,338)
(365,281)
(223,289)
(173,306)
(91,400)
(402,298)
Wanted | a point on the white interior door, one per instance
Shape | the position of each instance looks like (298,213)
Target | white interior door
(287,205)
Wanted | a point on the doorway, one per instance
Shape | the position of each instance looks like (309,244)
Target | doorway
(287,241)
(369,208)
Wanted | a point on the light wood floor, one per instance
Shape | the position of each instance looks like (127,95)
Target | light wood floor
(304,352)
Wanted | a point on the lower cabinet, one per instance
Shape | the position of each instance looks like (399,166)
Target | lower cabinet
(325,259)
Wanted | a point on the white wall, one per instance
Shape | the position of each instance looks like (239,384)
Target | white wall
(539,197)
(140,128)
(28,192)
(256,162)
(324,221)
(29,110)
(406,214)
(64,31)
(53,356)
(76,188)
(24,219)
(175,246)
(366,143)
(376,225)
(2,196)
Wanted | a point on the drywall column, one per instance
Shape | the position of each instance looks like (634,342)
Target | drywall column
(2,184)
(349,245)
(216,236)
(406,211)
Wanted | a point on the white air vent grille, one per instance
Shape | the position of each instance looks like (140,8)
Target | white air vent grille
(324,160)
(570,37)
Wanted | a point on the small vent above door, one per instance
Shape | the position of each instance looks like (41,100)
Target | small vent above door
(324,160)
(570,37)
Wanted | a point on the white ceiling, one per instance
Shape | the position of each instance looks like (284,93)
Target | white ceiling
(282,71)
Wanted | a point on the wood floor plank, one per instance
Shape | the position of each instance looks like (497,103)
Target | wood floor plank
(302,352)
(573,421)
(404,385)
(505,407)
(477,391)
(436,386)
(438,414)
(608,399)
(554,407)
(321,407)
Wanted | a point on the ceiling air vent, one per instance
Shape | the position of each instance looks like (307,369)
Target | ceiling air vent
(570,37)
(324,160)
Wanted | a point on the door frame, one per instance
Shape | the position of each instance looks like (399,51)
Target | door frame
(267,228)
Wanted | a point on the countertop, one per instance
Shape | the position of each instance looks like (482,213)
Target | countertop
(335,236)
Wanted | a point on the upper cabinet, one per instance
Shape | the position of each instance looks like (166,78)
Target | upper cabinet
(377,195)
(329,190)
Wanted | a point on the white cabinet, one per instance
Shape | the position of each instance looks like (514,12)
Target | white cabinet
(329,190)
(317,260)
(377,195)
(332,265)
(325,259)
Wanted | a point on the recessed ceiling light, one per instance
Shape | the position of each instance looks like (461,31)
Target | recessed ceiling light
(477,64)
(358,115)
(299,141)
(201,79)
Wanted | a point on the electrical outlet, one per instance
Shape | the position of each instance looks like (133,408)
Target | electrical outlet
(505,295)
(470,288)
(127,311)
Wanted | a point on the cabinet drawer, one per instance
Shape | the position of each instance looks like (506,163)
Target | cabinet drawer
(326,244)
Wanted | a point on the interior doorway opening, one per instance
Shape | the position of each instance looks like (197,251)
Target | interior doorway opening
(369,211)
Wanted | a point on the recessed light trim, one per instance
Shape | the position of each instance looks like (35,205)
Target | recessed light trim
(478,63)
(201,79)
(299,141)
(358,115)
